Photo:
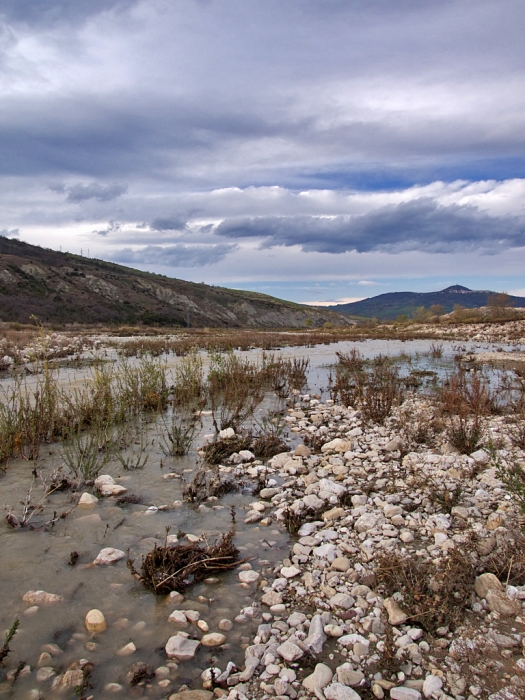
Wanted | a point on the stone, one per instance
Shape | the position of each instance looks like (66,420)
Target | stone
(338,691)
(272,598)
(480,457)
(109,555)
(113,490)
(319,679)
(225,625)
(333,514)
(41,598)
(127,650)
(95,621)
(485,583)
(340,564)
(214,639)
(313,502)
(431,684)
(87,500)
(333,631)
(347,676)
(227,434)
(104,480)
(342,600)
(316,635)
(249,576)
(403,693)
(396,616)
(177,617)
(45,674)
(70,679)
(290,651)
(302,451)
(502,604)
(366,522)
(192,695)
(181,648)
(290,571)
(395,444)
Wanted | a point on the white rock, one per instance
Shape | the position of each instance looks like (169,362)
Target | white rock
(109,555)
(402,693)
(290,651)
(227,434)
(290,571)
(319,679)
(249,576)
(95,621)
(338,691)
(87,500)
(41,598)
(181,648)
(431,685)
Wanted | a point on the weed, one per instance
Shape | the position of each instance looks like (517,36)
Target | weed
(512,474)
(465,432)
(84,454)
(436,350)
(219,450)
(207,483)
(269,442)
(5,650)
(180,432)
(382,390)
(137,459)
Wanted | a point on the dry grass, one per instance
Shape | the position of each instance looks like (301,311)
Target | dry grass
(434,595)
(175,568)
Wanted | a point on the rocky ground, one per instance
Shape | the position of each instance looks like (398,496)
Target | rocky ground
(340,619)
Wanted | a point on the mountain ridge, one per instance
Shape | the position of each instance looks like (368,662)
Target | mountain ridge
(390,305)
(64,288)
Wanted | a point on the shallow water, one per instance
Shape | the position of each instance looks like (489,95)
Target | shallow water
(39,559)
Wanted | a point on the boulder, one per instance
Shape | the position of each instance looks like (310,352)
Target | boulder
(181,648)
(396,616)
(486,583)
(319,679)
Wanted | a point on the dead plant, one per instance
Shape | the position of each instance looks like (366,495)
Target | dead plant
(434,595)
(175,568)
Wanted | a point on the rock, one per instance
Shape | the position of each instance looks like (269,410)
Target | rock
(342,600)
(331,487)
(494,521)
(395,444)
(246,456)
(181,648)
(227,434)
(502,604)
(253,516)
(340,564)
(338,691)
(313,502)
(109,555)
(396,616)
(127,650)
(177,617)
(175,597)
(104,480)
(326,551)
(431,685)
(366,522)
(214,639)
(70,679)
(347,676)
(225,625)
(272,598)
(486,546)
(192,694)
(333,631)
(45,674)
(41,598)
(480,457)
(290,651)
(112,490)
(316,636)
(402,693)
(485,583)
(302,451)
(290,571)
(333,514)
(249,576)
(319,679)
(95,621)
(87,500)
(252,662)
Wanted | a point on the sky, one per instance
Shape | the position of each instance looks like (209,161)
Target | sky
(314,150)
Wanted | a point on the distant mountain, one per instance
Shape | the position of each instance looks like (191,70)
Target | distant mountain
(63,288)
(390,306)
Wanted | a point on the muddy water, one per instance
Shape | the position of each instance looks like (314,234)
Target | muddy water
(39,559)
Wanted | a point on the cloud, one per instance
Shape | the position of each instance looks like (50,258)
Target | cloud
(173,223)
(422,225)
(102,193)
(48,12)
(12,233)
(112,227)
(179,255)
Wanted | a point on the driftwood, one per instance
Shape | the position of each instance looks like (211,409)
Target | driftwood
(176,567)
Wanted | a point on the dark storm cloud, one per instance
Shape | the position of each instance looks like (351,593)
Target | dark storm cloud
(46,12)
(179,255)
(101,193)
(171,223)
(112,227)
(10,233)
(421,225)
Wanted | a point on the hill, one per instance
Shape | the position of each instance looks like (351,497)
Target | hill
(63,288)
(390,306)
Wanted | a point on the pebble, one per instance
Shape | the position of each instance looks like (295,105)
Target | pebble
(95,621)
